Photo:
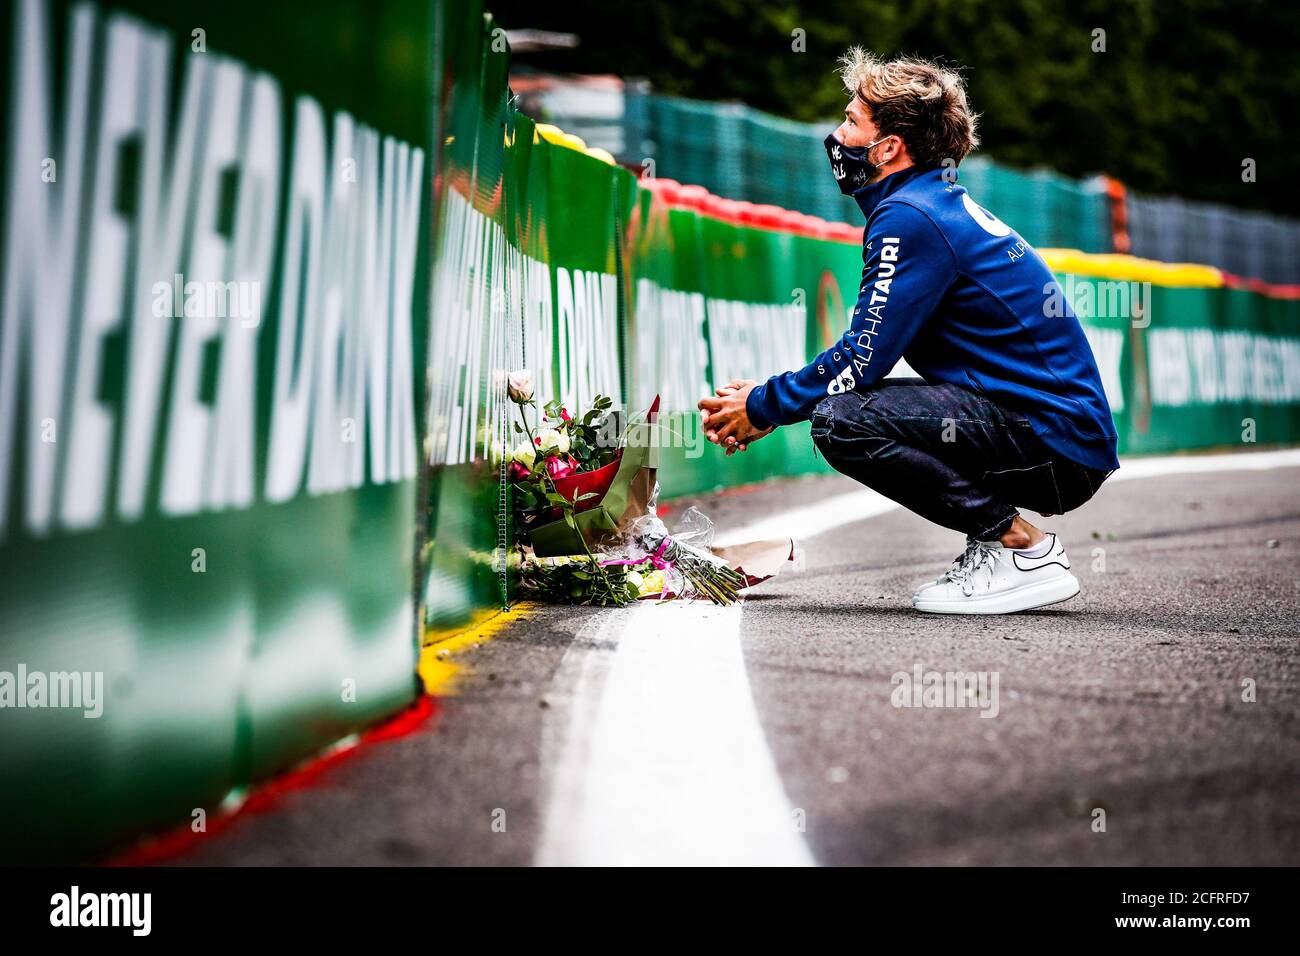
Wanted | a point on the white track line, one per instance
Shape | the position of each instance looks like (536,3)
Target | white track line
(811,520)
(653,747)
(666,762)
(1193,464)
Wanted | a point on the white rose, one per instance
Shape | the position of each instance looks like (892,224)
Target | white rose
(520,386)
(548,441)
(524,454)
(563,446)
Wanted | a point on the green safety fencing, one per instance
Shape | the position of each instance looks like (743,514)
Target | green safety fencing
(743,153)
(1243,242)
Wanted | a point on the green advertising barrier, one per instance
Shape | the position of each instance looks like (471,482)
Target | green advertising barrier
(214,297)
(1193,367)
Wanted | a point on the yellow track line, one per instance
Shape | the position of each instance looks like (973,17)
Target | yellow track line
(439,668)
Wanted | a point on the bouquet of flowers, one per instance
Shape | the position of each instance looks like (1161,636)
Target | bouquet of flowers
(559,456)
(584,497)
(584,511)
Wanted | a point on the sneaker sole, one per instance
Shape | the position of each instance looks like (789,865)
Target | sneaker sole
(1025,598)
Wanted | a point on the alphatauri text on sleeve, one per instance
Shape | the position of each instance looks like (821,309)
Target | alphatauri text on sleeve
(909,267)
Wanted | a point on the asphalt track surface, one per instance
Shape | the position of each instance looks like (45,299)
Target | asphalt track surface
(654,735)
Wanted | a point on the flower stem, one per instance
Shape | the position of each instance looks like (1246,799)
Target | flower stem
(532,442)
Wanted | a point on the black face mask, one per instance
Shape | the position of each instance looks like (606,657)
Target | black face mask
(852,165)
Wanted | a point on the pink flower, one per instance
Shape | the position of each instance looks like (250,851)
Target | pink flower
(518,472)
(558,467)
(565,416)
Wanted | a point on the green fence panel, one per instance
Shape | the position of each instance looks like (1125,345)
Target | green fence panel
(1189,368)
(208,509)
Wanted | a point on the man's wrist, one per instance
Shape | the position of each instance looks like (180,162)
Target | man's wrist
(755,415)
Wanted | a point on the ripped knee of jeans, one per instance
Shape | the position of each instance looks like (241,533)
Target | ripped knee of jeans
(822,419)
(826,418)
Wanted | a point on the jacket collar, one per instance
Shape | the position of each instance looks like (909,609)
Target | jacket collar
(873,194)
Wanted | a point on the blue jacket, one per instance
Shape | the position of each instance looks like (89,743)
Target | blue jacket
(966,301)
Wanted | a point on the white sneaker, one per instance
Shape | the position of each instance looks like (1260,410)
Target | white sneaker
(990,579)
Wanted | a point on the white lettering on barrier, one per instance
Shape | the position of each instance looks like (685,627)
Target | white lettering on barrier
(1108,350)
(484,290)
(586,309)
(672,355)
(1204,366)
(348,247)
(189,447)
(754,340)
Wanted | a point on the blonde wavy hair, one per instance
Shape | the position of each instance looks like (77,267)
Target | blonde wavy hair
(919,101)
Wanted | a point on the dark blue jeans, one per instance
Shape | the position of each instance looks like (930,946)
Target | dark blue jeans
(948,454)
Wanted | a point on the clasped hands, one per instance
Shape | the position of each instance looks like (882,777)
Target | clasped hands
(726,421)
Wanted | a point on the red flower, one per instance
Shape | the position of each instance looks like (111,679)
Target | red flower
(558,467)
(518,472)
(565,416)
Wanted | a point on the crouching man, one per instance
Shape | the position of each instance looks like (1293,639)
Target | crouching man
(1009,410)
